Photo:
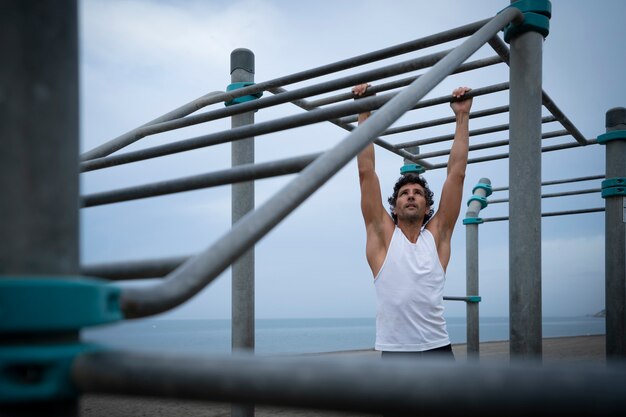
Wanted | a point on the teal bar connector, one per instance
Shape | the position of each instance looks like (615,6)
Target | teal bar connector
(473,220)
(242,99)
(614,187)
(482,200)
(537,14)
(34,314)
(486,187)
(56,304)
(614,135)
(38,373)
(412,168)
(474,299)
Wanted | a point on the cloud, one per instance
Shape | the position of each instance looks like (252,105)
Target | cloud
(181,37)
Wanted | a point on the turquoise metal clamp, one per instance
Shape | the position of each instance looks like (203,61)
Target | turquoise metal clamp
(41,308)
(614,187)
(56,304)
(474,299)
(472,220)
(483,186)
(482,200)
(537,14)
(412,168)
(614,135)
(242,99)
(38,373)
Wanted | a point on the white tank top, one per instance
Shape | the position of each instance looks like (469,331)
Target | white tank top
(409,293)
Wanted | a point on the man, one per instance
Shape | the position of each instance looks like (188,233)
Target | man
(409,251)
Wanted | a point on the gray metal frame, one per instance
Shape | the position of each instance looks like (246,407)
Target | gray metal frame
(196,273)
(359,386)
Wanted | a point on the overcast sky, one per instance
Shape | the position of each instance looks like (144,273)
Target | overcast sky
(140,59)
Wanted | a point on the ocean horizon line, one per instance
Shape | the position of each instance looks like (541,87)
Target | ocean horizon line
(361,317)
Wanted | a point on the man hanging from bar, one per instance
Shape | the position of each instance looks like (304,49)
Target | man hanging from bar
(409,250)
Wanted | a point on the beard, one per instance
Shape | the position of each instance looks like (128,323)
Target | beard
(413,217)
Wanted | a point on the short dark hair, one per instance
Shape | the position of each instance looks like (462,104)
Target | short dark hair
(412,179)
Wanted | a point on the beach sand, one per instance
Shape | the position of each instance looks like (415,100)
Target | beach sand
(580,349)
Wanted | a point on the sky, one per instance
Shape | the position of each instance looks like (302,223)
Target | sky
(143,58)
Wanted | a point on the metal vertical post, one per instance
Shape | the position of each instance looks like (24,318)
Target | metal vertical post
(39,152)
(471,239)
(615,234)
(525,196)
(242,70)
(471,222)
(39,131)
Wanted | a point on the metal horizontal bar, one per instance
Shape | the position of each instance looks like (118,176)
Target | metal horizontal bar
(501,49)
(153,268)
(506,155)
(135,134)
(550,214)
(489,145)
(446,120)
(475,132)
(323,87)
(257,129)
(447,99)
(549,104)
(391,85)
(378,55)
(196,273)
(553,195)
(241,173)
(556,182)
(216,97)
(371,386)
(457,298)
(389,52)
(349,127)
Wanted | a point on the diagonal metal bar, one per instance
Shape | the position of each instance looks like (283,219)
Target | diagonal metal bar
(501,49)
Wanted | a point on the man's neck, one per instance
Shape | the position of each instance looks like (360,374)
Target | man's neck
(410,229)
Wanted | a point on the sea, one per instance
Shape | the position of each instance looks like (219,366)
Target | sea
(299,336)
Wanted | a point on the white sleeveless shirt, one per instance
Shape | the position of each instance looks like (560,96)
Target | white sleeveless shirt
(409,293)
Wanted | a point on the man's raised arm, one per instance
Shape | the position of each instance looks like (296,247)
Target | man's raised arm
(378,223)
(452,192)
